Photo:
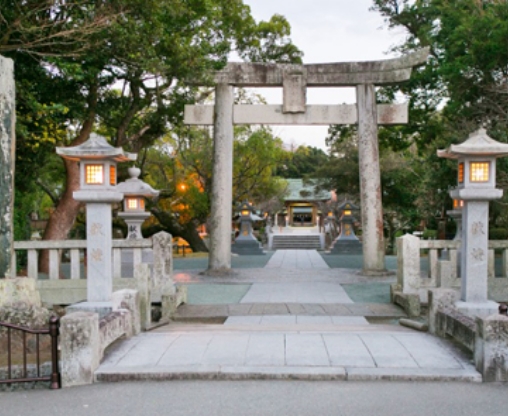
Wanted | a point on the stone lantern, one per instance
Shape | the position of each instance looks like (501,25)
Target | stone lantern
(347,242)
(97,167)
(476,187)
(135,191)
(246,243)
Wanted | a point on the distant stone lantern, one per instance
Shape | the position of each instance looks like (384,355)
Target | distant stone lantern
(97,166)
(347,241)
(246,242)
(135,191)
(476,187)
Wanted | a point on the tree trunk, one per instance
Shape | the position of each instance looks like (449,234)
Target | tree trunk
(62,219)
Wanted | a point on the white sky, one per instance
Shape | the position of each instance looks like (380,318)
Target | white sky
(326,31)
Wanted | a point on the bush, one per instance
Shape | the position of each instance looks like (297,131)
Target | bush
(429,234)
(498,234)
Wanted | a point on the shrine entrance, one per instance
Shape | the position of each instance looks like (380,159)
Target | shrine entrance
(294,80)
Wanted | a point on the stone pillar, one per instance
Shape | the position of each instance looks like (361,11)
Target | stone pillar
(80,348)
(370,181)
(162,274)
(99,252)
(474,258)
(222,182)
(7,159)
(491,348)
(408,264)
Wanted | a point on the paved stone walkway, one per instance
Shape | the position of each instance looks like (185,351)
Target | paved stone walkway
(294,321)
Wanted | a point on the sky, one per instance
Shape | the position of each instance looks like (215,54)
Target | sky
(327,31)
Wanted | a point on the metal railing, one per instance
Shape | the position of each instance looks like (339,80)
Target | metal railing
(53,331)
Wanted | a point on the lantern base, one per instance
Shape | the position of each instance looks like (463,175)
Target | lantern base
(347,246)
(480,309)
(247,247)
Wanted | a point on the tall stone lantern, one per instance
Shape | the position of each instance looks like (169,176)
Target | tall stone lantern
(97,167)
(135,191)
(476,187)
(347,242)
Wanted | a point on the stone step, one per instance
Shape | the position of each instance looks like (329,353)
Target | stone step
(188,312)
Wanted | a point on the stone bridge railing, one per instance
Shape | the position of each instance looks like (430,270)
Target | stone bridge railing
(429,264)
(65,282)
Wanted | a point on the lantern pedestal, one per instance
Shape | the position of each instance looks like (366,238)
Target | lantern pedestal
(99,243)
(474,257)
(134,220)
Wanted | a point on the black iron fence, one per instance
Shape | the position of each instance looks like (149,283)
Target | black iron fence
(17,358)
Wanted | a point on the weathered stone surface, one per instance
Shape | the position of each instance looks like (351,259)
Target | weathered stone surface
(142,277)
(170,302)
(79,348)
(439,300)
(112,327)
(162,274)
(19,290)
(491,348)
(129,299)
(370,181)
(341,74)
(410,302)
(408,263)
(222,182)
(294,89)
(314,115)
(7,158)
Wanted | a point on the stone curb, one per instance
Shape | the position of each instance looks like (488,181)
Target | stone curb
(285,373)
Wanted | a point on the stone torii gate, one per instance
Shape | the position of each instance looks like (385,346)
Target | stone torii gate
(294,79)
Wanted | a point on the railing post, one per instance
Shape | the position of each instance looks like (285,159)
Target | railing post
(54,325)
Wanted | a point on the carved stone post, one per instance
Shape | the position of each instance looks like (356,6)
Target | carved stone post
(222,182)
(370,181)
(7,149)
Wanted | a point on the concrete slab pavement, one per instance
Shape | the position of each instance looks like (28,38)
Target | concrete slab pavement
(295,321)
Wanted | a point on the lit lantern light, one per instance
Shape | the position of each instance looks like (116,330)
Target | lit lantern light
(479,171)
(94,174)
(458,204)
(135,191)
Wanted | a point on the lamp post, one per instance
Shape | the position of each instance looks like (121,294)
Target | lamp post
(347,242)
(476,187)
(246,243)
(135,191)
(97,166)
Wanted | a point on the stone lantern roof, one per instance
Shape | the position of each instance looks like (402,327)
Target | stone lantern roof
(478,144)
(96,147)
(348,205)
(135,186)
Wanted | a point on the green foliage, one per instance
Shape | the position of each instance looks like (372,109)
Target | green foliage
(429,234)
(301,162)
(498,234)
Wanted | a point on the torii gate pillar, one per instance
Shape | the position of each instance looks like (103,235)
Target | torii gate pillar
(370,181)
(219,261)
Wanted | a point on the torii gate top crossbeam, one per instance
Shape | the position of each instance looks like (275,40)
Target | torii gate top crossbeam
(342,74)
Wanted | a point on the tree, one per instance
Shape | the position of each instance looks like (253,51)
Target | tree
(129,85)
(464,84)
(302,162)
(181,166)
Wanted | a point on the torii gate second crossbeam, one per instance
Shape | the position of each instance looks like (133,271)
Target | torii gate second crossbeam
(294,79)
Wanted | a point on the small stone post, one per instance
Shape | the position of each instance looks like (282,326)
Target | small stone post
(7,158)
(370,182)
(222,182)
(491,348)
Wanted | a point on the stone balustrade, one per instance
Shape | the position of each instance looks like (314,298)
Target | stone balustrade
(428,264)
(77,252)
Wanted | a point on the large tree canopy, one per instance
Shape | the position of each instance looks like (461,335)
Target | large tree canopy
(124,75)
